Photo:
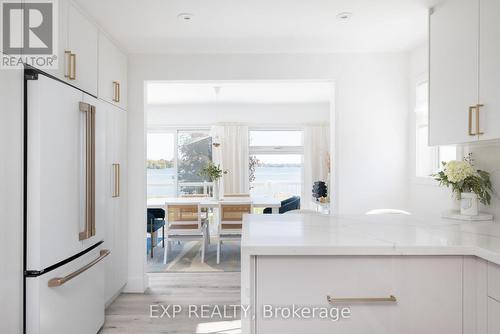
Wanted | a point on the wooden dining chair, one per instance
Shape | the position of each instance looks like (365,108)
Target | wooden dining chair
(204,211)
(230,224)
(185,223)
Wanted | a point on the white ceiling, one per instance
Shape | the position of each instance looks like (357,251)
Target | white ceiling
(247,93)
(261,26)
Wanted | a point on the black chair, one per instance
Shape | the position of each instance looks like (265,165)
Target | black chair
(156,220)
(289,204)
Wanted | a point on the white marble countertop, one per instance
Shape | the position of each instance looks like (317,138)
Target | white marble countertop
(368,235)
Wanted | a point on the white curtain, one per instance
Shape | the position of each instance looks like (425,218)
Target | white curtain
(316,159)
(232,155)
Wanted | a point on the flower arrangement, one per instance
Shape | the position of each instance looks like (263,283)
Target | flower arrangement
(212,171)
(463,178)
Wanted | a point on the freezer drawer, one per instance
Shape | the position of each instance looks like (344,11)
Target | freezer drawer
(76,306)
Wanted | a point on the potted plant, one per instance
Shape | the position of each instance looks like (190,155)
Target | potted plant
(213,173)
(468,185)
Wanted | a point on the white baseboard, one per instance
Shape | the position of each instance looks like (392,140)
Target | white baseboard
(135,285)
(113,298)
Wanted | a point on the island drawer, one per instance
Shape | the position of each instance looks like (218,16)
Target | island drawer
(494,281)
(493,316)
(427,293)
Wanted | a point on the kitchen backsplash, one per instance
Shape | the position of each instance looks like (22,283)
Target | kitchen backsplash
(487,157)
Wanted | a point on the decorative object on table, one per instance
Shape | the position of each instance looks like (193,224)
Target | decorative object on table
(320,191)
(214,173)
(469,186)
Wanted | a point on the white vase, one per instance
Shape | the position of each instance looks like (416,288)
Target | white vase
(469,204)
(215,190)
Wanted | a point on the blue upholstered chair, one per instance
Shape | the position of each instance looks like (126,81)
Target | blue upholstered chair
(156,220)
(292,203)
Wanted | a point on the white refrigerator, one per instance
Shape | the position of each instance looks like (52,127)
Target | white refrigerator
(64,208)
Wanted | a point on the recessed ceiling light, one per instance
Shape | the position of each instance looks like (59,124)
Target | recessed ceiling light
(344,16)
(186,17)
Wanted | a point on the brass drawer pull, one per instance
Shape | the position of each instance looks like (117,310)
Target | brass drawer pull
(390,299)
(58,281)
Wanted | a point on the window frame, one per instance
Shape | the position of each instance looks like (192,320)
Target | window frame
(279,150)
(419,122)
(273,149)
(175,130)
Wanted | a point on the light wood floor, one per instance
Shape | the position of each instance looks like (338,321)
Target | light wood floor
(130,313)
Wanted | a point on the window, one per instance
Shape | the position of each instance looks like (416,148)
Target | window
(194,152)
(428,159)
(161,171)
(276,161)
(174,160)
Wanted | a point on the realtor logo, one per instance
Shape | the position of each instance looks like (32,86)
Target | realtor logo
(29,33)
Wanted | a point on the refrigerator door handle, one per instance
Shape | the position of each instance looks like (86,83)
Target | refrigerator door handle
(58,281)
(89,230)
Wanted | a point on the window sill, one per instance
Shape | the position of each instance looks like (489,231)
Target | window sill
(425,181)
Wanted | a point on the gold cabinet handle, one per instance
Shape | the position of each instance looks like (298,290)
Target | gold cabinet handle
(471,111)
(390,299)
(116,91)
(58,281)
(72,66)
(89,230)
(116,180)
(67,58)
(478,127)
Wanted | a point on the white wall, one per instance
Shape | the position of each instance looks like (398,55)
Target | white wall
(425,196)
(254,114)
(371,103)
(11,148)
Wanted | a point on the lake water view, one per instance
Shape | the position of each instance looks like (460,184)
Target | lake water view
(161,182)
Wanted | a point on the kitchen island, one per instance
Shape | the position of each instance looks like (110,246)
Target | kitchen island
(396,273)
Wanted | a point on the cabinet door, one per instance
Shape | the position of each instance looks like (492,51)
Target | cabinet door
(15,30)
(112,73)
(489,67)
(427,288)
(116,233)
(493,316)
(453,64)
(61,71)
(82,43)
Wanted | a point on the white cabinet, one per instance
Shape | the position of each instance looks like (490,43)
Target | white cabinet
(77,48)
(427,289)
(112,73)
(81,51)
(453,77)
(494,281)
(489,68)
(493,316)
(464,71)
(62,36)
(15,33)
(114,191)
